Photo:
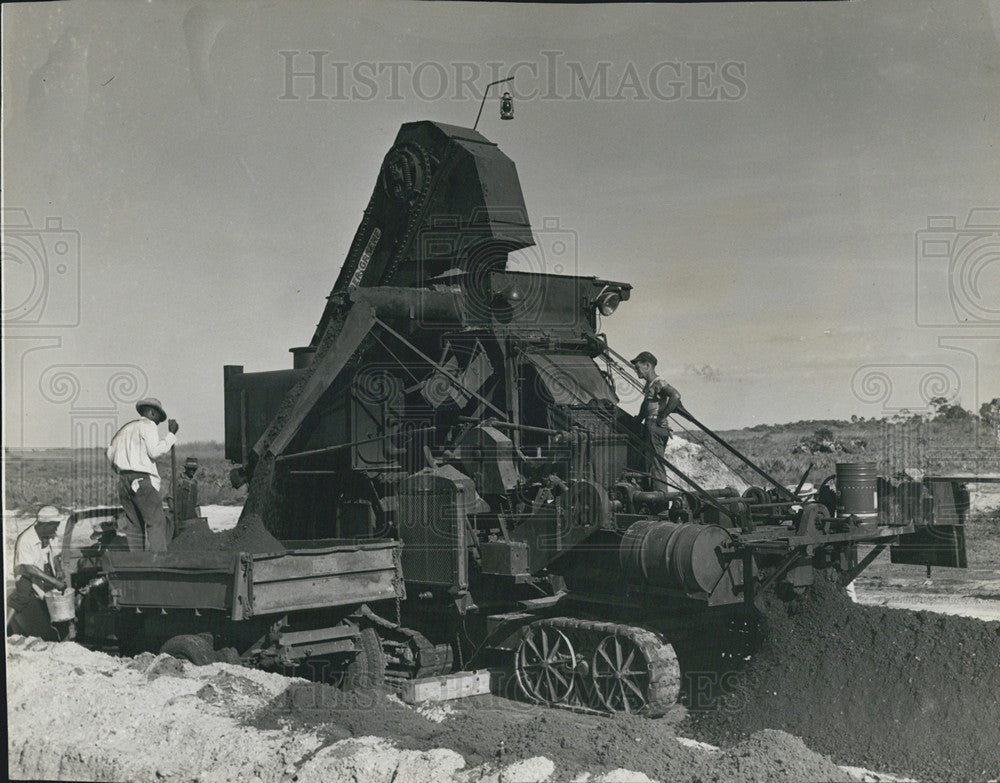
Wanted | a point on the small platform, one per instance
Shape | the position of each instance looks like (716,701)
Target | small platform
(446,687)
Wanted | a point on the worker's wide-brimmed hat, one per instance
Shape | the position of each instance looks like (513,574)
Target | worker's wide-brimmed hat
(644,356)
(151,402)
(191,462)
(48,515)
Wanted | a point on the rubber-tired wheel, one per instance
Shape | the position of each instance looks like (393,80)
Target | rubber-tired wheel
(367,668)
(189,647)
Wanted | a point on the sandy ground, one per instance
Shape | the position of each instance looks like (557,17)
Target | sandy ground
(963,606)
(77,714)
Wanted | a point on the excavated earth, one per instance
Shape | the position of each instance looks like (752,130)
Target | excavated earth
(78,714)
(831,682)
(491,731)
(249,535)
(914,692)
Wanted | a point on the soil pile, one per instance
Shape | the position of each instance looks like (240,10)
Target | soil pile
(576,744)
(887,688)
(249,535)
(496,732)
(73,714)
(80,715)
(77,714)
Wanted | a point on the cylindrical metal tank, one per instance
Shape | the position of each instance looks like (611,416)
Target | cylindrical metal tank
(678,556)
(302,357)
(857,491)
(416,304)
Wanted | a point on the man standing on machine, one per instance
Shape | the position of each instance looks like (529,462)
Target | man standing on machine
(132,453)
(659,400)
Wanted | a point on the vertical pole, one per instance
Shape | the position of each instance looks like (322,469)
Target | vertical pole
(173,486)
(748,585)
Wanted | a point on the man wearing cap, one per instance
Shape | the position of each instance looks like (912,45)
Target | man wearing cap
(660,399)
(186,494)
(36,570)
(132,453)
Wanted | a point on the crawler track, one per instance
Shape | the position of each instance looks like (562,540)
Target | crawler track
(598,667)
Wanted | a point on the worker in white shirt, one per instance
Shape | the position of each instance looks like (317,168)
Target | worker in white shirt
(132,453)
(37,571)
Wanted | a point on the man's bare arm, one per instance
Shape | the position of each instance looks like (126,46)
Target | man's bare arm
(670,400)
(37,576)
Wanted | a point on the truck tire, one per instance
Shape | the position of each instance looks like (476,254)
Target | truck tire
(367,668)
(228,655)
(188,647)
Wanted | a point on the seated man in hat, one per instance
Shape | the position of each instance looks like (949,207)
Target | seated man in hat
(132,453)
(37,571)
(660,399)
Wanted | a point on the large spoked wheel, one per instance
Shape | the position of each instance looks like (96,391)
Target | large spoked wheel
(620,674)
(545,665)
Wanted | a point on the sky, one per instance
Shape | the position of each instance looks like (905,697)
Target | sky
(804,196)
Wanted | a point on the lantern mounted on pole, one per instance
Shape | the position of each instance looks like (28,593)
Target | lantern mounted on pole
(506,102)
(506,107)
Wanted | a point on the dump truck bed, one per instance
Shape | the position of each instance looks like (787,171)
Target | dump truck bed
(307,575)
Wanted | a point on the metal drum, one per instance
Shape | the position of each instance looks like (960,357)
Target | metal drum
(643,551)
(678,556)
(694,560)
(857,492)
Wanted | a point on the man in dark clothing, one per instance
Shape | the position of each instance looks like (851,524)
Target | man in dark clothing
(660,399)
(186,494)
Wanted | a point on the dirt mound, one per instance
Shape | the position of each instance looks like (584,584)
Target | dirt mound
(77,714)
(774,755)
(887,688)
(496,732)
(74,714)
(249,535)
(640,744)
